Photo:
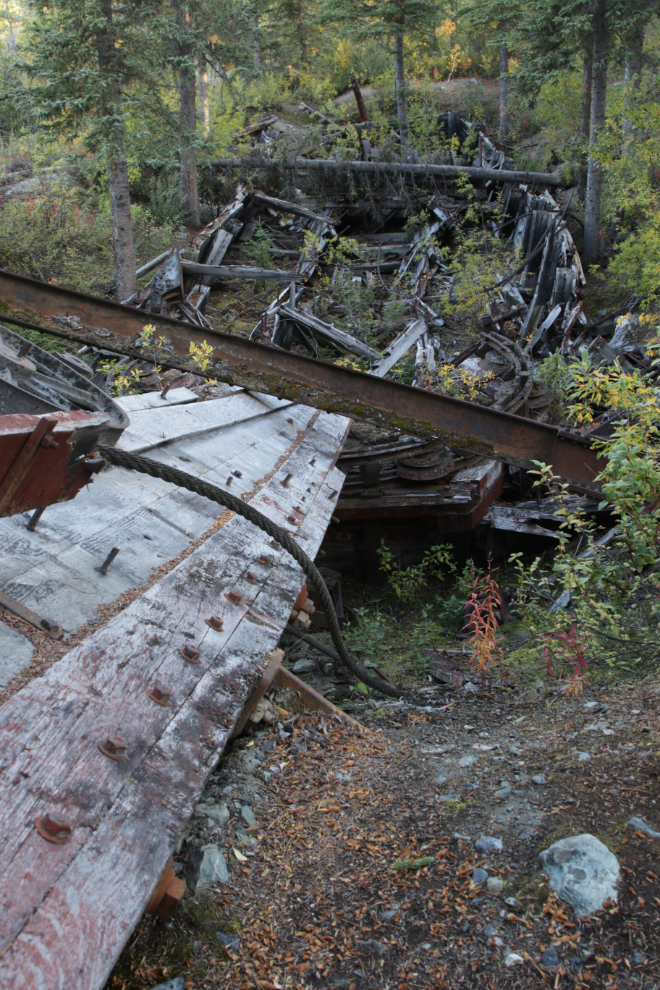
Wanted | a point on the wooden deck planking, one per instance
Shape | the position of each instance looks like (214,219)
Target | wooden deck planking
(170,753)
(153,400)
(54,569)
(175,422)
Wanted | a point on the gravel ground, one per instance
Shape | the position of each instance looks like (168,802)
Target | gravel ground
(359,871)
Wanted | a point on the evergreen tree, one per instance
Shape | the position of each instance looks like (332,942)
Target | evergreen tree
(85,57)
(391,21)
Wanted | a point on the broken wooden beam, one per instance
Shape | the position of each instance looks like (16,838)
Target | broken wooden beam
(285,207)
(400,168)
(338,337)
(398,348)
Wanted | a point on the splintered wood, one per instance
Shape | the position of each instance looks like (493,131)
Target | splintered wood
(69,907)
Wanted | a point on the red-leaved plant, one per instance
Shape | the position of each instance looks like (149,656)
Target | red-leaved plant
(482,622)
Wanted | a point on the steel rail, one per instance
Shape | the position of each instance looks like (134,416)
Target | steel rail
(269,369)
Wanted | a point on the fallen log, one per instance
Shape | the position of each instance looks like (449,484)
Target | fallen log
(240,271)
(399,168)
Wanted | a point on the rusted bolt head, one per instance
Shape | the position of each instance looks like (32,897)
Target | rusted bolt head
(215,622)
(161,695)
(252,577)
(113,747)
(235,597)
(190,653)
(274,545)
(48,441)
(292,519)
(298,508)
(54,828)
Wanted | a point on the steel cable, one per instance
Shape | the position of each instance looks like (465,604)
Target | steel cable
(133,462)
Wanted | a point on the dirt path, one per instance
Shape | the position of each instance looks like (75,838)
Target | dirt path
(359,872)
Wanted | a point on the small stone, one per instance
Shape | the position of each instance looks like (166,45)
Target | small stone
(479,876)
(549,957)
(495,885)
(488,844)
(641,826)
(582,756)
(176,984)
(639,959)
(504,791)
(470,688)
(513,959)
(525,835)
(512,902)
(219,813)
(306,665)
(515,751)
(392,913)
(269,745)
(377,948)
(231,942)
(248,816)
(447,797)
(539,779)
(441,778)
(211,866)
(582,871)
(490,931)
(328,669)
(498,942)
(468,760)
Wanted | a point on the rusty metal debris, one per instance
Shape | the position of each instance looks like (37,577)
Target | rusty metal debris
(54,828)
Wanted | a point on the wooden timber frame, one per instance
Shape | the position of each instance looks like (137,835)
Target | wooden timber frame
(67,908)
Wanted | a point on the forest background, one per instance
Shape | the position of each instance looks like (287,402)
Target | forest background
(120,109)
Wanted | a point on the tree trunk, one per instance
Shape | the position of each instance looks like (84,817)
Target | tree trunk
(257,46)
(203,79)
(632,75)
(400,88)
(187,123)
(504,92)
(591,246)
(120,199)
(301,31)
(585,122)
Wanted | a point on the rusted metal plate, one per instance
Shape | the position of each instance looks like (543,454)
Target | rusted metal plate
(269,369)
(42,458)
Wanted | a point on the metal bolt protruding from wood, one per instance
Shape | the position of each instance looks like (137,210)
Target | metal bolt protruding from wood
(190,653)
(235,597)
(163,394)
(229,480)
(287,481)
(237,474)
(25,347)
(252,578)
(114,747)
(292,519)
(161,695)
(34,519)
(53,828)
(48,441)
(215,622)
(103,569)
(274,544)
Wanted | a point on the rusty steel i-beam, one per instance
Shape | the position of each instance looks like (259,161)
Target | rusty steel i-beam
(269,369)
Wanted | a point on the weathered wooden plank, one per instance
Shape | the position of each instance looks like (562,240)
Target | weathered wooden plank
(396,350)
(147,431)
(154,400)
(126,816)
(239,271)
(338,337)
(54,571)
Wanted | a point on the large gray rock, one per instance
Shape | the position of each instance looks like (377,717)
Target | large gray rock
(209,866)
(175,984)
(582,871)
